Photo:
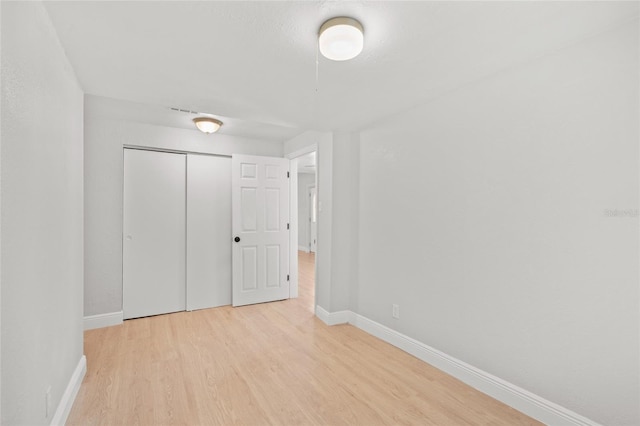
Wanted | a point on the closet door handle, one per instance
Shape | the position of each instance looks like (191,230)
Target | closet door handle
(236,239)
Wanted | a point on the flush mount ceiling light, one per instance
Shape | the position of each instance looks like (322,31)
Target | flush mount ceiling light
(341,38)
(207,124)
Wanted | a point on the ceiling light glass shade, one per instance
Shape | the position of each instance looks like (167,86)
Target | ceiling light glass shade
(341,39)
(207,124)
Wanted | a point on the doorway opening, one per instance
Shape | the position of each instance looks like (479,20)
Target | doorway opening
(313,218)
(305,167)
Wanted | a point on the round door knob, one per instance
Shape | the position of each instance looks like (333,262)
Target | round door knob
(236,239)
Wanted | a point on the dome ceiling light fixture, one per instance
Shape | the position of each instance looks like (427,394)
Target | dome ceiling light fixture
(207,124)
(341,38)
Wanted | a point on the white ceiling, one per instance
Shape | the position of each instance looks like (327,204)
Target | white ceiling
(255,62)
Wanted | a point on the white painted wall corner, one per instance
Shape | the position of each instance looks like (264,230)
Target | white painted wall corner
(522,400)
(70,393)
(103,320)
(303,248)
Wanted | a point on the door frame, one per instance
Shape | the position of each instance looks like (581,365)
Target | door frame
(293,217)
(310,202)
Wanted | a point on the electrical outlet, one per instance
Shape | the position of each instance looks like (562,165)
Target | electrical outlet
(395,311)
(47,402)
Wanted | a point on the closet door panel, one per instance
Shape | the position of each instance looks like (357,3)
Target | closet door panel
(153,233)
(208,231)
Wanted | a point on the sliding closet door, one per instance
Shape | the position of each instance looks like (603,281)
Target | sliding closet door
(208,231)
(153,233)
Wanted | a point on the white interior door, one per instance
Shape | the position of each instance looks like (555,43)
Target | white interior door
(313,218)
(153,233)
(260,217)
(208,231)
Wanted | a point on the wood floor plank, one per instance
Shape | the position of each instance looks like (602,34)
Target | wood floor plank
(272,363)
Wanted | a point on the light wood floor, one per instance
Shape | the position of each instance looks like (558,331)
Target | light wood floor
(273,363)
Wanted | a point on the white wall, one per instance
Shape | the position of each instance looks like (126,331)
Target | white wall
(42,218)
(104,140)
(484,215)
(304,180)
(345,205)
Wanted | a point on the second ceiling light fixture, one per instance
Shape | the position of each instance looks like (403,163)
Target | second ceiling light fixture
(207,124)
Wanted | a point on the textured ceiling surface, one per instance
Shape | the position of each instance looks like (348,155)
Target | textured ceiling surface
(255,62)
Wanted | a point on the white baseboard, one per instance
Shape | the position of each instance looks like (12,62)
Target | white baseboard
(332,318)
(522,400)
(303,248)
(70,393)
(103,320)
